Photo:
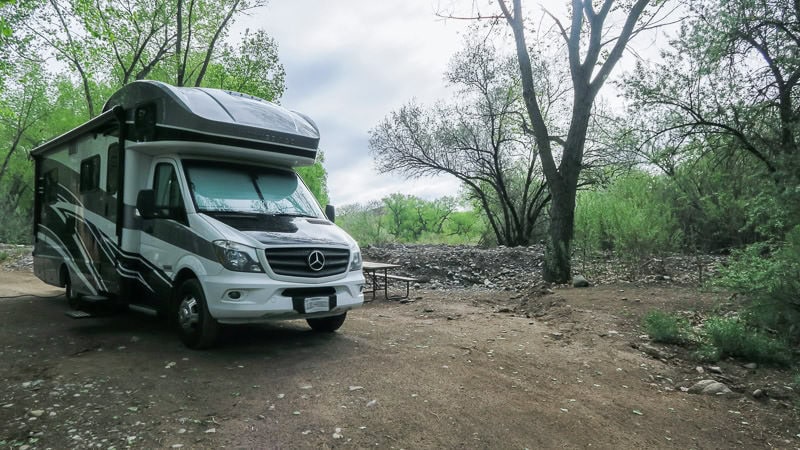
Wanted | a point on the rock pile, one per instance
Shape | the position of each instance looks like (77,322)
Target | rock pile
(517,268)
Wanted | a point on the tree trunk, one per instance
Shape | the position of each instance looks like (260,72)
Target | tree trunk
(557,258)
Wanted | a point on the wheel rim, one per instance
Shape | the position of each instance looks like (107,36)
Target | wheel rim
(189,314)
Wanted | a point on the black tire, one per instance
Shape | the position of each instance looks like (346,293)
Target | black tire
(327,324)
(197,328)
(73,298)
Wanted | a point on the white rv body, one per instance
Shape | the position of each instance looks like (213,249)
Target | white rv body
(184,201)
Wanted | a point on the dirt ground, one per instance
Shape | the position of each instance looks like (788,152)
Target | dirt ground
(450,369)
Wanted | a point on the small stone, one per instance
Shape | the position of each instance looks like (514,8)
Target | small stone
(715,369)
(758,393)
(337,433)
(306,433)
(372,403)
(296,413)
(281,395)
(210,430)
(699,369)
(355,388)
(177,445)
(306,386)
(24,447)
(751,366)
(37,413)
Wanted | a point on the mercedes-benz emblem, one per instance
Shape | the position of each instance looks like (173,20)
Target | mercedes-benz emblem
(316,260)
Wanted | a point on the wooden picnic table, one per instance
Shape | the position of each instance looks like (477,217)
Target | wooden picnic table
(379,274)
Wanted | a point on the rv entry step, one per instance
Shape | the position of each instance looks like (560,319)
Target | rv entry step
(77,314)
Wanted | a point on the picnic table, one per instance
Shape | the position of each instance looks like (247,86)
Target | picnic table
(377,274)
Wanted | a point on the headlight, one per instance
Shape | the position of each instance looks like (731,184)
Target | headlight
(355,263)
(237,257)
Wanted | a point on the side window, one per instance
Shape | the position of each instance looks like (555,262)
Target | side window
(167,191)
(90,174)
(112,171)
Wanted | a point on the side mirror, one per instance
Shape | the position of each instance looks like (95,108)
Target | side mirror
(330,213)
(146,203)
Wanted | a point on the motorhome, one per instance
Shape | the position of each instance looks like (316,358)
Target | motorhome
(183,202)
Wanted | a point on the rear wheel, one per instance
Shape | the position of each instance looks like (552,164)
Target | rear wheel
(73,298)
(197,328)
(327,324)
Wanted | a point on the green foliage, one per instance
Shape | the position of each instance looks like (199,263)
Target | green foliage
(252,67)
(667,328)
(769,277)
(316,178)
(409,219)
(731,337)
(630,217)
(364,222)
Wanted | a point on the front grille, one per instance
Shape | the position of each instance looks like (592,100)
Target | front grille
(293,262)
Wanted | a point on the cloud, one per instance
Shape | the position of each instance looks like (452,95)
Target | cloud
(350,64)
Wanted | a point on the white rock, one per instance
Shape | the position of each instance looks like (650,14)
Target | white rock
(371,403)
(306,386)
(210,430)
(37,413)
(709,387)
(356,388)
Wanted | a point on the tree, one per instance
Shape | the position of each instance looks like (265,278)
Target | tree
(729,85)
(252,67)
(316,178)
(108,43)
(592,51)
(478,140)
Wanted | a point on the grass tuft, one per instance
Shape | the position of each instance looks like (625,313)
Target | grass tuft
(667,328)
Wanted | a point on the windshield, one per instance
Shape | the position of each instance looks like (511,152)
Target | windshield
(228,188)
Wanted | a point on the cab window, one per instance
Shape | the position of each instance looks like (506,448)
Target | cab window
(167,192)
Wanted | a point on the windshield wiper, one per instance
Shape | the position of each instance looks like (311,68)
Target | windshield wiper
(292,215)
(227,213)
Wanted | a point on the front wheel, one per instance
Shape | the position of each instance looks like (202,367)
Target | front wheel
(197,328)
(327,324)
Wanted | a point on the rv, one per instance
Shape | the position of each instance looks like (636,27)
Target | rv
(183,202)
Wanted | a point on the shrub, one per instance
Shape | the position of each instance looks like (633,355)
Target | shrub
(769,276)
(731,337)
(630,217)
(667,328)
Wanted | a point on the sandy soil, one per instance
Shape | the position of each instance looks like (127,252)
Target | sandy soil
(451,369)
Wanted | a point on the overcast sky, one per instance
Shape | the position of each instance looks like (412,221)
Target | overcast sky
(348,65)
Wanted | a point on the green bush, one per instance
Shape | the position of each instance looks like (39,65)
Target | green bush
(731,337)
(667,328)
(769,277)
(630,217)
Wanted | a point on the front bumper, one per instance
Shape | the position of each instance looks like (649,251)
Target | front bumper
(261,299)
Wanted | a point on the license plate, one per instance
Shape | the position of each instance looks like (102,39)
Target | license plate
(317,304)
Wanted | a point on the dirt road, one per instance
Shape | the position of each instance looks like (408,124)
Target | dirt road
(452,369)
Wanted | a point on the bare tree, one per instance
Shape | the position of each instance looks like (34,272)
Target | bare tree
(478,140)
(592,50)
